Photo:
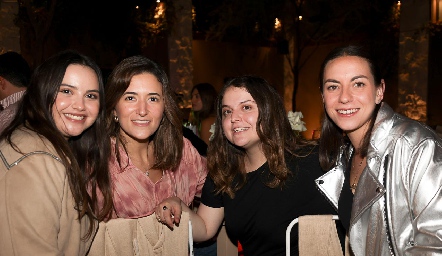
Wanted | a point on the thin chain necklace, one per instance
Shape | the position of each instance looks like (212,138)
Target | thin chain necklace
(359,171)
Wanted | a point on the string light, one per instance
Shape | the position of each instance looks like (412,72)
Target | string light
(300,17)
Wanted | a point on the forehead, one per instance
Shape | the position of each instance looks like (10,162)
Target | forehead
(347,65)
(145,82)
(81,77)
(236,95)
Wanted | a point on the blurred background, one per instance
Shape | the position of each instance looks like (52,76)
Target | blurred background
(208,41)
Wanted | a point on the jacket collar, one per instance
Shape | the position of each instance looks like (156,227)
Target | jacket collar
(370,186)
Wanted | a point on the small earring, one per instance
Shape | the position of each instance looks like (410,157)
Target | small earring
(116,119)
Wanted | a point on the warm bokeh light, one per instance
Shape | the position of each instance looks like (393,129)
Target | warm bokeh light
(159,11)
(278,25)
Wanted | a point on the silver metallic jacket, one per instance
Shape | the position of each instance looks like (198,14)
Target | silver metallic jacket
(397,206)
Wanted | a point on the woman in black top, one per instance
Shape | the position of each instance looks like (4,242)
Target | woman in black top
(261,174)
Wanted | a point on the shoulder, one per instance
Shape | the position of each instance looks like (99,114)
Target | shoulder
(306,153)
(305,159)
(410,133)
(36,163)
(208,121)
(190,153)
(188,147)
(29,143)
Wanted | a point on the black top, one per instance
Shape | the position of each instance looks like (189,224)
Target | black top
(345,201)
(196,141)
(258,215)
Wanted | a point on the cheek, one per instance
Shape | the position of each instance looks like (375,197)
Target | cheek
(94,108)
(121,110)
(225,125)
(156,112)
(60,103)
(55,113)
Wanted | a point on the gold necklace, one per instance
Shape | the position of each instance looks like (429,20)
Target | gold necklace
(355,184)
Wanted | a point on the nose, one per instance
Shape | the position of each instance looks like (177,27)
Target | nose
(78,104)
(235,117)
(345,95)
(142,108)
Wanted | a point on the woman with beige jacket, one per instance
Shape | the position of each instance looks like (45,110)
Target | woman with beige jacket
(44,154)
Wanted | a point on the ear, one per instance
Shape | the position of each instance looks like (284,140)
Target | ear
(380,92)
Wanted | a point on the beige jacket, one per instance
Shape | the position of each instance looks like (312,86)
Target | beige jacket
(37,215)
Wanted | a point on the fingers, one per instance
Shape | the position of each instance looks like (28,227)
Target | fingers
(176,213)
(164,215)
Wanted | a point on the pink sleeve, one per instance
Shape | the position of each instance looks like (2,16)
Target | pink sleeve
(191,174)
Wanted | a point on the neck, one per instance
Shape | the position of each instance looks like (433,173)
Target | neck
(254,160)
(357,137)
(138,150)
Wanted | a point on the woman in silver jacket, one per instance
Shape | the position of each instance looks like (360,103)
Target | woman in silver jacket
(385,170)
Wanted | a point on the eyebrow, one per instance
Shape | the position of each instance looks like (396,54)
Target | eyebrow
(357,77)
(242,102)
(75,87)
(352,79)
(134,93)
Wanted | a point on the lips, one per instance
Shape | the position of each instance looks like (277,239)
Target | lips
(74,117)
(347,111)
(240,129)
(141,121)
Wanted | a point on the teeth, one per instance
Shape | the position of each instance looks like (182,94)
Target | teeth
(239,129)
(346,112)
(141,121)
(74,117)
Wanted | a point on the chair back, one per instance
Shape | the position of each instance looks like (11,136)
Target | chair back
(317,235)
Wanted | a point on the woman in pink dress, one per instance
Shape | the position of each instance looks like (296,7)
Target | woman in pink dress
(150,160)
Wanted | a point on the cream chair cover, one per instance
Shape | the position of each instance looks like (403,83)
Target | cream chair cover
(317,236)
(142,236)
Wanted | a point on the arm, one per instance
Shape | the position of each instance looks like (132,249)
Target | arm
(205,223)
(37,214)
(423,174)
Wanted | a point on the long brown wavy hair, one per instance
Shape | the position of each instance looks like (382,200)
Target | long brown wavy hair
(226,161)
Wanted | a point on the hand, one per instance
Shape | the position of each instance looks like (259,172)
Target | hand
(169,211)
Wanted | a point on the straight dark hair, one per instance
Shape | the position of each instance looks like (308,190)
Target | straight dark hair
(85,156)
(332,137)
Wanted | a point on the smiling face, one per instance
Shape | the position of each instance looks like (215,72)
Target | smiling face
(77,103)
(239,117)
(140,109)
(350,94)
